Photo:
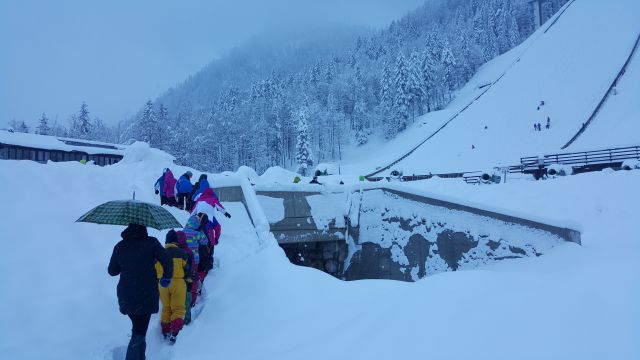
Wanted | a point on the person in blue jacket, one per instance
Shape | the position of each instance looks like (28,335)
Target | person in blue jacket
(159,186)
(184,188)
(201,185)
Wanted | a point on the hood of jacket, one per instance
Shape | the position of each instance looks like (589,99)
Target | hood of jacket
(169,176)
(134,231)
(193,223)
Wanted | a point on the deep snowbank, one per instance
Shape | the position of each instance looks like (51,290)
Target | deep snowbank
(573,302)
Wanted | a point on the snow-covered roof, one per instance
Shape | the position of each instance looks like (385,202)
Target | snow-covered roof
(59,143)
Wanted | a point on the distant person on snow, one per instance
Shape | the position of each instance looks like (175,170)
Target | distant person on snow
(315,181)
(134,259)
(548,123)
(170,188)
(184,189)
(173,297)
(159,186)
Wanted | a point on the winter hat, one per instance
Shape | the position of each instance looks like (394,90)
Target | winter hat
(172,237)
(189,174)
(203,177)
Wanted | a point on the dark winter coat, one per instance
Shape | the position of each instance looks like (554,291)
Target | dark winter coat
(134,260)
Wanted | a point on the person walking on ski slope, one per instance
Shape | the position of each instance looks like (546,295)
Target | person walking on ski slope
(134,259)
(173,297)
(169,188)
(184,188)
(208,203)
(194,238)
(159,186)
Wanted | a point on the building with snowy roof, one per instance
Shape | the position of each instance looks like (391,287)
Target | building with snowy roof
(43,148)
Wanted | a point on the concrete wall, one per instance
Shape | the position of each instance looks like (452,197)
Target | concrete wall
(390,234)
(404,236)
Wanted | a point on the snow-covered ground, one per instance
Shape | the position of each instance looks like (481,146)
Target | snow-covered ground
(573,302)
(570,68)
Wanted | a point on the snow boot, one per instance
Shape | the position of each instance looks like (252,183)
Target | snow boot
(136,348)
(172,338)
(166,329)
(176,326)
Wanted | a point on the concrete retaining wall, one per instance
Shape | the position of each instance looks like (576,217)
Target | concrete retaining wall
(389,234)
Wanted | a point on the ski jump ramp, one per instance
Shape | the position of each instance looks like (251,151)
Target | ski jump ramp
(568,67)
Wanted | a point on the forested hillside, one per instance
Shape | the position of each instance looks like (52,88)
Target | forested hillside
(270,102)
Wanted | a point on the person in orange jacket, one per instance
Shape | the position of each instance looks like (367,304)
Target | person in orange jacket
(173,297)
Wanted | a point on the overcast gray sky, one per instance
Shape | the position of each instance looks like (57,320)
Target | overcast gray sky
(116,54)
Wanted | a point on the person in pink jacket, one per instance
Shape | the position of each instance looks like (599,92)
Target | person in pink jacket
(169,188)
(208,203)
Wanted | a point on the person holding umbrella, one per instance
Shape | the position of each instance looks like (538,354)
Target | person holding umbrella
(133,259)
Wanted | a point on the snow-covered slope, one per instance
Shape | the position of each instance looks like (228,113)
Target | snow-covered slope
(618,122)
(570,68)
(573,302)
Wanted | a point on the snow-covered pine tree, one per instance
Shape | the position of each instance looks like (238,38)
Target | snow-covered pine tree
(402,99)
(276,151)
(83,126)
(22,127)
(163,122)
(148,125)
(304,157)
(359,114)
(414,85)
(43,125)
(428,83)
(99,132)
(449,65)
(386,90)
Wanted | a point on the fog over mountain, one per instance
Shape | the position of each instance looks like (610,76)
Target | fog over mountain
(116,54)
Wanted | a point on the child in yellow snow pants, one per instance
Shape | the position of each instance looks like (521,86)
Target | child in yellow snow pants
(173,294)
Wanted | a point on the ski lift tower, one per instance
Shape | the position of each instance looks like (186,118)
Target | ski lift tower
(537,11)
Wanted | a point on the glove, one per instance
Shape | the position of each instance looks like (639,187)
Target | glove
(164,282)
(227,215)
(157,192)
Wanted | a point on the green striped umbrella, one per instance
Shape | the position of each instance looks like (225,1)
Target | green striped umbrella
(125,212)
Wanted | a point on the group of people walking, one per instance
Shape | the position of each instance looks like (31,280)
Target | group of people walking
(174,274)
(179,193)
